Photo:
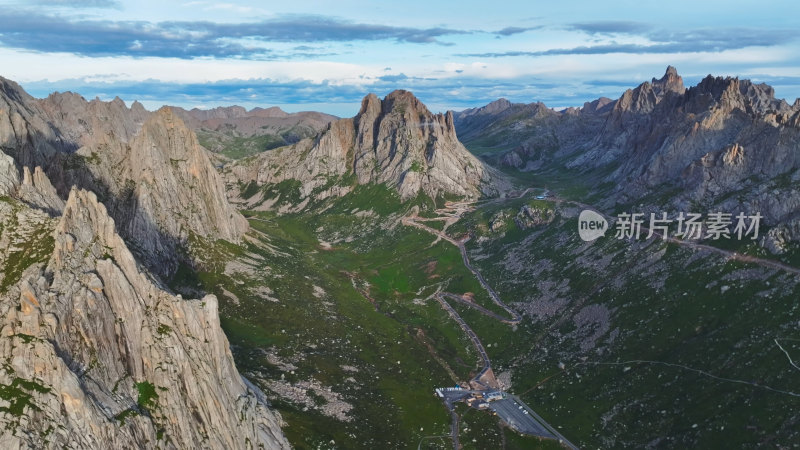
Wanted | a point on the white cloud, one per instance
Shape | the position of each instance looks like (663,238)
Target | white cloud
(230,7)
(26,66)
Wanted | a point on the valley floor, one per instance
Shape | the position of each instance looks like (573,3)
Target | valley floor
(337,316)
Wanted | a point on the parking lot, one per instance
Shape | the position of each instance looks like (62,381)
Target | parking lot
(519,417)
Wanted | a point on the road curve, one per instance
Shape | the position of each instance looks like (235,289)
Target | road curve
(487,364)
(515,317)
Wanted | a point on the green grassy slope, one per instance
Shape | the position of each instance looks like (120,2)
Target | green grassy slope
(354,313)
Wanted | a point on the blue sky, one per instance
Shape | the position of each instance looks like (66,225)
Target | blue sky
(325,55)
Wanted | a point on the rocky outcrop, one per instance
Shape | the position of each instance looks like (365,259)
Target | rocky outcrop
(719,138)
(175,191)
(532,216)
(528,136)
(93,123)
(37,190)
(9,176)
(599,106)
(34,189)
(491,110)
(25,133)
(395,141)
(35,132)
(660,129)
(480,123)
(228,112)
(399,142)
(97,356)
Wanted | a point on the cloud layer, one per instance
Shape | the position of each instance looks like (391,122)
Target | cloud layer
(192,39)
(81,3)
(307,53)
(659,41)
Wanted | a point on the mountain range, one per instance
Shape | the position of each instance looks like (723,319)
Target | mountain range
(726,143)
(110,215)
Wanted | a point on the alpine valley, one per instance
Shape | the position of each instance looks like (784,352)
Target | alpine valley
(234,279)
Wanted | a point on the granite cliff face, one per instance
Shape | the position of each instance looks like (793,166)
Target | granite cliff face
(394,141)
(25,133)
(97,356)
(726,144)
(97,353)
(83,123)
(163,190)
(149,170)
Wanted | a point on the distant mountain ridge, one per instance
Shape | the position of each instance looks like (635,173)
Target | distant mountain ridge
(726,143)
(256,130)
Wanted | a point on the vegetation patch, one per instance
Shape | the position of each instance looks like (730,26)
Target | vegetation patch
(147,395)
(19,395)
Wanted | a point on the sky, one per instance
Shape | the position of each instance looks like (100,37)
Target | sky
(326,55)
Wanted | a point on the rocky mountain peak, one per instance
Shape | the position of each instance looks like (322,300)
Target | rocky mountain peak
(166,134)
(26,134)
(731,93)
(37,190)
(599,106)
(370,107)
(118,102)
(404,103)
(85,230)
(165,121)
(670,82)
(395,141)
(177,192)
(644,98)
(34,189)
(640,100)
(498,105)
(156,180)
(82,321)
(494,108)
(402,143)
(85,123)
(13,91)
(401,109)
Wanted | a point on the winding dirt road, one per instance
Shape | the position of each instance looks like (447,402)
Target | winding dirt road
(450,214)
(485,378)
